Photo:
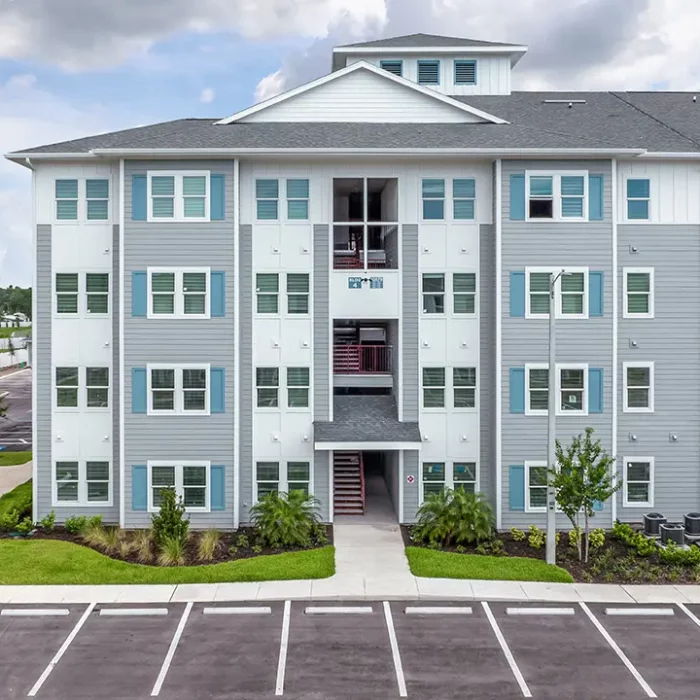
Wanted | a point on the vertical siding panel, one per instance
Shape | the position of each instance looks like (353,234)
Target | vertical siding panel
(321,331)
(245,251)
(410,319)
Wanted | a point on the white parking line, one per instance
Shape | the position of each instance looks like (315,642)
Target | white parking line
(340,610)
(171,651)
(237,611)
(689,614)
(24,442)
(34,612)
(621,654)
(400,679)
(540,611)
(456,610)
(64,647)
(133,612)
(284,643)
(639,612)
(506,651)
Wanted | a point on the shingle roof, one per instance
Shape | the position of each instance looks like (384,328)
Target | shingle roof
(417,40)
(365,419)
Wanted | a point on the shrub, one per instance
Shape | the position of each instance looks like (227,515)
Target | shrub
(517,534)
(172,551)
(494,548)
(673,554)
(242,541)
(108,538)
(536,537)
(575,538)
(75,524)
(94,521)
(209,543)
(635,540)
(257,549)
(125,546)
(285,520)
(143,546)
(597,538)
(233,550)
(25,526)
(170,521)
(48,522)
(318,533)
(454,517)
(9,520)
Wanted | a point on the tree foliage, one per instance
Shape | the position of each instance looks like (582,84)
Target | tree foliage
(16,300)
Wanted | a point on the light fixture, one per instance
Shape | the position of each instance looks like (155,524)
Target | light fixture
(632,437)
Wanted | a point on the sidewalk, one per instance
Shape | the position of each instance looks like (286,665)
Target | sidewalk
(10,477)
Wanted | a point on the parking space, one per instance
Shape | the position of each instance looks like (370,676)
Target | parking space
(16,429)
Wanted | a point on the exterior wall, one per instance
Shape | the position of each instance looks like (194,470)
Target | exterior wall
(245,359)
(411,491)
(146,341)
(409,324)
(391,478)
(670,340)
(578,341)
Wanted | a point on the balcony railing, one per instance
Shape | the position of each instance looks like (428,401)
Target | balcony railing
(362,359)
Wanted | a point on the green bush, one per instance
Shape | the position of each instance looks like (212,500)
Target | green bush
(575,538)
(285,520)
(242,541)
(597,538)
(25,526)
(94,521)
(636,540)
(48,522)
(9,520)
(257,549)
(494,548)
(673,554)
(75,524)
(19,499)
(454,517)
(517,534)
(170,521)
(536,537)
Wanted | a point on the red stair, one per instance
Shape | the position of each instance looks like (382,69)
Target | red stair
(348,483)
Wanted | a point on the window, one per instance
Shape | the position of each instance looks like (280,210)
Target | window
(298,476)
(437,476)
(178,389)
(429,72)
(66,293)
(267,196)
(297,199)
(573,294)
(639,293)
(572,196)
(179,293)
(433,192)
(433,293)
(97,192)
(537,389)
(267,288)
(395,67)
(464,290)
(267,382)
(297,293)
(465,72)
(178,196)
(97,384)
(464,198)
(285,477)
(97,289)
(538,294)
(433,478)
(464,384)
(66,200)
(639,482)
(572,390)
(189,479)
(638,199)
(67,384)
(268,478)
(571,290)
(297,387)
(82,483)
(541,197)
(535,486)
(557,196)
(639,387)
(464,476)
(433,387)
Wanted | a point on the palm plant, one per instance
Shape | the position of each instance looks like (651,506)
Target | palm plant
(285,520)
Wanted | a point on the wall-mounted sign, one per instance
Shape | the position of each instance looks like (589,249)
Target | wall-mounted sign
(410,478)
(374,282)
(354,282)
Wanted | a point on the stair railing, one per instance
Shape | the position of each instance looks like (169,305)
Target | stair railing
(362,482)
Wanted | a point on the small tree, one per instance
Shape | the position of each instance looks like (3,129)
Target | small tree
(583,479)
(170,521)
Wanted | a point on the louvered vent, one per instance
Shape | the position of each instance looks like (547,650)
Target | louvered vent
(465,72)
(429,72)
(395,67)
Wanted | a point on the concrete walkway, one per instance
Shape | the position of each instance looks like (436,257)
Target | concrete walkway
(10,477)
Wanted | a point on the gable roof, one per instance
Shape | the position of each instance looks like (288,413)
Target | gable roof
(428,40)
(363,66)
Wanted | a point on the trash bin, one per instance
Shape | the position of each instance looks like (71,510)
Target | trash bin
(672,532)
(652,522)
(692,524)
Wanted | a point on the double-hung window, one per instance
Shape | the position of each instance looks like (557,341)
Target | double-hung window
(194,290)
(433,477)
(86,483)
(297,199)
(433,387)
(639,293)
(178,196)
(67,293)
(429,72)
(572,390)
(464,292)
(181,293)
(537,389)
(438,476)
(97,387)
(463,198)
(284,477)
(433,194)
(97,194)
(465,72)
(557,196)
(433,293)
(66,192)
(297,293)
(267,381)
(97,291)
(639,387)
(67,387)
(464,386)
(298,383)
(182,389)
(571,293)
(541,197)
(639,482)
(267,288)
(267,477)
(538,294)
(535,486)
(190,481)
(267,199)
(638,197)
(392,66)
(573,192)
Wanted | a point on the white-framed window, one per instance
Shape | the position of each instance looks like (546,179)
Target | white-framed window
(464,199)
(66,193)
(433,195)
(298,383)
(535,487)
(68,381)
(437,476)
(97,196)
(572,389)
(433,293)
(297,293)
(297,199)
(97,387)
(571,292)
(639,482)
(178,195)
(464,293)
(267,288)
(638,292)
(179,292)
(190,479)
(464,387)
(178,389)
(267,383)
(67,286)
(536,389)
(282,477)
(267,193)
(85,294)
(82,483)
(557,196)
(97,293)
(639,387)
(434,387)
(67,387)
(79,199)
(638,193)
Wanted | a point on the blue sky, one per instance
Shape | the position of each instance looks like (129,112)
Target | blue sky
(70,68)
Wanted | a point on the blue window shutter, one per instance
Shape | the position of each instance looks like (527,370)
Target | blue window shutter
(139,196)
(595,293)
(217,377)
(595,197)
(139,487)
(217,187)
(595,390)
(218,294)
(517,390)
(516,483)
(517,197)
(138,390)
(139,294)
(517,294)
(217,487)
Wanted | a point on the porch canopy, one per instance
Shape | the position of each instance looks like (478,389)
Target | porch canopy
(366,423)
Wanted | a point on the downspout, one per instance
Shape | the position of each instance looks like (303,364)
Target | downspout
(122,383)
(499,349)
(236,352)
(614,401)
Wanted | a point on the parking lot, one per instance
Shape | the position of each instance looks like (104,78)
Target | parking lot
(304,650)
(16,430)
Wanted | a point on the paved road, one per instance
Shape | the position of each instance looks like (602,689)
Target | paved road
(349,650)
(16,430)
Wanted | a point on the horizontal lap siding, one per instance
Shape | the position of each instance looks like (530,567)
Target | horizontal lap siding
(180,341)
(670,340)
(409,321)
(411,467)
(245,280)
(526,244)
(487,357)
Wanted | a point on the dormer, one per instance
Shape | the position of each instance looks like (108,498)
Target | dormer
(449,65)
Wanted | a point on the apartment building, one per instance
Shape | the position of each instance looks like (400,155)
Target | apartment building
(352,277)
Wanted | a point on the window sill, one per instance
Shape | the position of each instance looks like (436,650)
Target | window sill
(163,220)
(559,221)
(573,414)
(178,317)
(178,413)
(640,317)
(78,504)
(638,410)
(637,505)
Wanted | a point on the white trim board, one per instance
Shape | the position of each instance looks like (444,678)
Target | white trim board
(368,446)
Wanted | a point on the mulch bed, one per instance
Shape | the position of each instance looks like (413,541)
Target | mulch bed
(614,562)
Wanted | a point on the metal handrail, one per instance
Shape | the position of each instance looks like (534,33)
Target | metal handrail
(362,482)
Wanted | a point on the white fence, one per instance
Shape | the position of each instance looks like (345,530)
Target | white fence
(7,360)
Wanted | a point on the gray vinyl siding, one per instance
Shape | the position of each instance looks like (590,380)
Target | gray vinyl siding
(396,344)
(245,357)
(321,482)
(409,339)
(670,340)
(391,478)
(177,341)
(487,356)
(322,339)
(410,491)
(528,244)
(114,380)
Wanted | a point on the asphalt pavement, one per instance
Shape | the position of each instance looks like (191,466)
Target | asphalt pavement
(16,428)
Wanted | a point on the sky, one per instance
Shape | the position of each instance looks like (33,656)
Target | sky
(72,68)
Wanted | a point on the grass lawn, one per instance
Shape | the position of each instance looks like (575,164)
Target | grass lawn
(431,563)
(17,498)
(7,332)
(11,459)
(55,562)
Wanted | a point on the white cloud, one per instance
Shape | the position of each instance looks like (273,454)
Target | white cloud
(207,95)
(24,80)
(269,86)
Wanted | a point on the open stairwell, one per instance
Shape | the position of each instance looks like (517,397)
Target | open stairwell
(348,484)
